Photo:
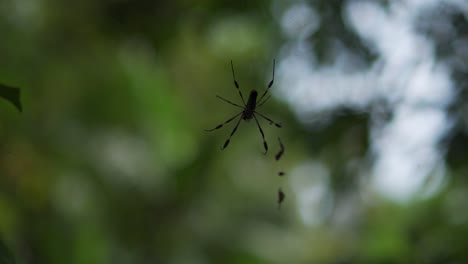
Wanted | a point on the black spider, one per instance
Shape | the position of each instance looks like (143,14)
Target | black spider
(249,109)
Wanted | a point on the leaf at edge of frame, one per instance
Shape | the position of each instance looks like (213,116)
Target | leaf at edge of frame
(11,94)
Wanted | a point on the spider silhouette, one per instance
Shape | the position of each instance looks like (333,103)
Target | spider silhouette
(249,109)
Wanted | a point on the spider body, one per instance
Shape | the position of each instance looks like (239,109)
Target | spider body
(249,110)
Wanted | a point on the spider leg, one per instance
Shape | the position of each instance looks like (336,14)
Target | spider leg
(232,133)
(227,101)
(264,101)
(236,84)
(270,84)
(221,125)
(271,121)
(265,145)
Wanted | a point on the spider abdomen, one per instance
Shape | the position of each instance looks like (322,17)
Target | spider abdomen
(250,106)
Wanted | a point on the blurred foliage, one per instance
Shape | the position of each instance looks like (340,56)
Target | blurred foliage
(109,162)
(5,255)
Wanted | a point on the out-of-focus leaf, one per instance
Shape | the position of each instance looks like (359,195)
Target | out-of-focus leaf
(5,255)
(11,94)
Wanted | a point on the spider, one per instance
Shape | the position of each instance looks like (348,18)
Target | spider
(248,110)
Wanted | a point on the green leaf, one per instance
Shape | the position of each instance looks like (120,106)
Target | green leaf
(11,94)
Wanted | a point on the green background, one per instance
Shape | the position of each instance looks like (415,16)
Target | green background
(109,161)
